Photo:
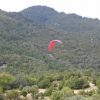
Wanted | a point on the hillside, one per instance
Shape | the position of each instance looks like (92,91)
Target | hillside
(24,42)
(69,22)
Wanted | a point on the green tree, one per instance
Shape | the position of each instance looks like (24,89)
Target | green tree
(6,80)
(67,92)
(19,81)
(31,81)
(34,91)
(76,83)
(24,93)
(57,95)
(44,83)
(98,82)
(61,84)
(49,91)
(27,89)
(96,96)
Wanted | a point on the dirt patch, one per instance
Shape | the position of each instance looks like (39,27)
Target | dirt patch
(3,66)
(29,96)
(42,90)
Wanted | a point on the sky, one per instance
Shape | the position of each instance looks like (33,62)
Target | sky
(84,8)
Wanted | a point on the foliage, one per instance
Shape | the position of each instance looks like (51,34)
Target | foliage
(77,97)
(31,81)
(12,94)
(24,93)
(76,83)
(67,92)
(49,91)
(42,17)
(27,89)
(2,97)
(69,22)
(57,95)
(24,41)
(98,82)
(24,38)
(1,89)
(96,96)
(19,81)
(6,80)
(34,89)
(44,82)
(61,95)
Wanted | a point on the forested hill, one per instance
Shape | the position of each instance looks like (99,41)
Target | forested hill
(69,22)
(24,41)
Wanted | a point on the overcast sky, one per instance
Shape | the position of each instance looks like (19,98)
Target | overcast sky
(85,8)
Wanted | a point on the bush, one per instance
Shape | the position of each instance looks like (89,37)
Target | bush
(1,89)
(67,92)
(57,95)
(77,97)
(2,97)
(27,89)
(44,83)
(34,90)
(24,93)
(76,83)
(12,94)
(96,96)
(49,91)
(6,80)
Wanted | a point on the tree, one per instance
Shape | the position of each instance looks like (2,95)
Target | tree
(31,81)
(27,89)
(19,81)
(77,83)
(12,94)
(67,92)
(98,82)
(96,96)
(49,91)
(34,91)
(44,83)
(61,95)
(6,80)
(57,95)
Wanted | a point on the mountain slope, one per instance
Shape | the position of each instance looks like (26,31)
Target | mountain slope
(24,47)
(22,43)
(40,13)
(69,22)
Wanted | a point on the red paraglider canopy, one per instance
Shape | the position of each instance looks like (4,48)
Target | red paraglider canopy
(52,44)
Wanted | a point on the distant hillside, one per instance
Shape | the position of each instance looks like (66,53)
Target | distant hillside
(69,22)
(40,13)
(24,43)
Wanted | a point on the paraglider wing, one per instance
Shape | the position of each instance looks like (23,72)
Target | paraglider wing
(52,44)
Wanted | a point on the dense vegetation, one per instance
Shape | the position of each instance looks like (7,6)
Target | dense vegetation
(58,86)
(69,22)
(26,64)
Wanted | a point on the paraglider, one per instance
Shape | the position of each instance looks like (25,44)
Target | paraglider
(52,44)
